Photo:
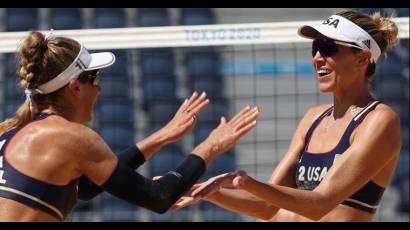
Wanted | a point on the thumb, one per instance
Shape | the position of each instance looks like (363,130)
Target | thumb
(239,179)
(223,121)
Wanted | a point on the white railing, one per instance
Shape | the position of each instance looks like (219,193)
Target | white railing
(182,36)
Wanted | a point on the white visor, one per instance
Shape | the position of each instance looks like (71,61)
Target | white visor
(341,29)
(83,62)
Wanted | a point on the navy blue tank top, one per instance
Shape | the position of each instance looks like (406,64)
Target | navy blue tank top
(312,168)
(56,200)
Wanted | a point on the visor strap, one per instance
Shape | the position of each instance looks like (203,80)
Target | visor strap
(82,60)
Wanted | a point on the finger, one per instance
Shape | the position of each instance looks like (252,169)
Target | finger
(249,118)
(237,181)
(239,114)
(200,107)
(195,186)
(243,118)
(183,106)
(208,189)
(193,97)
(183,203)
(197,101)
(189,123)
(244,130)
(222,121)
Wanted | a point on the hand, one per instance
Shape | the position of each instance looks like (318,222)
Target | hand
(186,199)
(223,137)
(221,181)
(201,190)
(185,118)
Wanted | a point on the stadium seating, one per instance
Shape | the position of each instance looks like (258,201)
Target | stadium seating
(66,18)
(197,16)
(202,64)
(118,111)
(118,137)
(162,111)
(114,87)
(110,18)
(156,62)
(21,19)
(153,17)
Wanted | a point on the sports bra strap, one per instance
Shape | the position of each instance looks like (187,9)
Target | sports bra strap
(315,124)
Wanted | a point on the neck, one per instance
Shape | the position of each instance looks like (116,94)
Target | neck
(65,114)
(350,100)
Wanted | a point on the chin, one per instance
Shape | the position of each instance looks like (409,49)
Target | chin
(325,89)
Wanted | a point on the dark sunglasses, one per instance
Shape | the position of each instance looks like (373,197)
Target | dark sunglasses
(329,47)
(90,77)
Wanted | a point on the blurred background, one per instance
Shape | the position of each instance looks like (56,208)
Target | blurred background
(143,89)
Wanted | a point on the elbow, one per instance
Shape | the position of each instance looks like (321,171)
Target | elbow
(315,216)
(267,215)
(318,213)
(161,207)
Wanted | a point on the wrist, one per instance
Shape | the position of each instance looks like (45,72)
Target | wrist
(204,150)
(210,197)
(161,137)
(151,144)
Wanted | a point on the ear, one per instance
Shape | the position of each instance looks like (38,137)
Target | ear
(74,87)
(364,58)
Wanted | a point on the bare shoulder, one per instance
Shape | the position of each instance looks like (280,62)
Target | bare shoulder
(383,114)
(381,125)
(67,133)
(314,111)
(70,129)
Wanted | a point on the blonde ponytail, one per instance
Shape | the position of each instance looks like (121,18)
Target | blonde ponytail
(387,27)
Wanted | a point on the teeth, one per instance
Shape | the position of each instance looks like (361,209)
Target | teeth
(322,71)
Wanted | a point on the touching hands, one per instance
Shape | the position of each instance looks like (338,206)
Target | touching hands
(185,118)
(213,184)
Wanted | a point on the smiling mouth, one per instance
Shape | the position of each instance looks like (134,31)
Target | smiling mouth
(323,72)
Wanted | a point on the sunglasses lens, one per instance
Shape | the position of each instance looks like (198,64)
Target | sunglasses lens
(326,47)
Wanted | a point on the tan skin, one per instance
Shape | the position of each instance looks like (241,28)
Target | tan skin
(77,150)
(373,159)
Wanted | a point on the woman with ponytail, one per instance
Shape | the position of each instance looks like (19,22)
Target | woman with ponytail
(49,157)
(342,155)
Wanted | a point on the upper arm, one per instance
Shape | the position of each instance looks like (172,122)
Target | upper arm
(376,143)
(93,156)
(285,171)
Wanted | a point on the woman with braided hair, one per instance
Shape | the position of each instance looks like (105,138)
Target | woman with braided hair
(49,157)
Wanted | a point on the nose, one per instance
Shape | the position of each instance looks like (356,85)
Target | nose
(317,55)
(318,58)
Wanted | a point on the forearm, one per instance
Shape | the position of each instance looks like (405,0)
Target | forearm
(310,204)
(152,143)
(240,201)
(156,195)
